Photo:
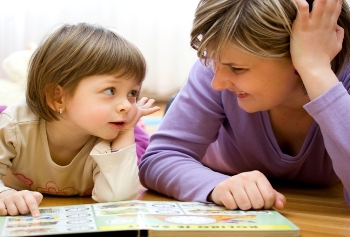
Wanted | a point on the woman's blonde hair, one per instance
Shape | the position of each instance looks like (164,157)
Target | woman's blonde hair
(74,52)
(260,27)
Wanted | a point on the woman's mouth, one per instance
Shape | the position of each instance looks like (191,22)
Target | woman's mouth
(241,94)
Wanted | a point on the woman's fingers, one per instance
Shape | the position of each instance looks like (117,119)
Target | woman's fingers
(280,201)
(248,190)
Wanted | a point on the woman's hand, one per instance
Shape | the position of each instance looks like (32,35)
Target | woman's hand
(14,202)
(248,190)
(315,40)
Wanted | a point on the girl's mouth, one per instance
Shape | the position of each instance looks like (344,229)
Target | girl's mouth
(117,125)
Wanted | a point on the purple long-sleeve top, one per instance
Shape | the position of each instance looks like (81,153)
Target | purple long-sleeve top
(205,138)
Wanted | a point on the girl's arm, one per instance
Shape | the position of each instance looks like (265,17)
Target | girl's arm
(116,177)
(13,202)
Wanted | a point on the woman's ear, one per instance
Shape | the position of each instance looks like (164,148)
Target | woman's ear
(55,98)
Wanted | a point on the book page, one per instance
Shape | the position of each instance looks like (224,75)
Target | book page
(142,215)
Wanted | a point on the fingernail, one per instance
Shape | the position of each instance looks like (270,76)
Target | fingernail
(35,213)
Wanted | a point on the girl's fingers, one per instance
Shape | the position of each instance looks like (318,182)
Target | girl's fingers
(144,102)
(12,209)
(31,206)
(150,102)
(22,207)
(38,197)
(150,110)
(21,202)
(3,209)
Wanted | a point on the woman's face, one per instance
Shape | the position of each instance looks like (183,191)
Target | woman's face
(259,83)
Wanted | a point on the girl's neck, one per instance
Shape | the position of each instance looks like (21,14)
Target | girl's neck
(64,143)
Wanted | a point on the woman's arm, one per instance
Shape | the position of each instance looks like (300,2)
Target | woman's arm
(316,39)
(172,163)
(332,112)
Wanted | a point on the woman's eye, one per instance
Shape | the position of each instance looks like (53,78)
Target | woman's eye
(109,91)
(133,94)
(237,70)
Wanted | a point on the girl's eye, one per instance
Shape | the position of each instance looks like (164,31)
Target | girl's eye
(109,91)
(133,94)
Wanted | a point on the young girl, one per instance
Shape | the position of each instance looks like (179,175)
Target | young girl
(269,100)
(74,134)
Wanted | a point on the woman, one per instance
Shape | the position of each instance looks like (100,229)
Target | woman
(269,99)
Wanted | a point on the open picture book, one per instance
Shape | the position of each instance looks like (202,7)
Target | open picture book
(149,218)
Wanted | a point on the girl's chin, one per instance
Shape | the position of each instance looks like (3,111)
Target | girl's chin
(109,137)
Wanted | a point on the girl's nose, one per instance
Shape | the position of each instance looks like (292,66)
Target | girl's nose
(123,106)
(221,80)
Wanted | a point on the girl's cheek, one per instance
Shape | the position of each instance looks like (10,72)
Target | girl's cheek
(133,110)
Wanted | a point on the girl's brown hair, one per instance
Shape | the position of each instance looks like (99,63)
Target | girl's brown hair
(74,52)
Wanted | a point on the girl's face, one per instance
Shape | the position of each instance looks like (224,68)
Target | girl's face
(259,83)
(101,105)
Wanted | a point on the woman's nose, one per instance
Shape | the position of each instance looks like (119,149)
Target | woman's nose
(221,80)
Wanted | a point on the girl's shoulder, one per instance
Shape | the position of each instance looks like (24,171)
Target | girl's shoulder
(19,112)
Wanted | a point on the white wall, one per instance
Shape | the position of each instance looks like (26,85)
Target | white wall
(160,28)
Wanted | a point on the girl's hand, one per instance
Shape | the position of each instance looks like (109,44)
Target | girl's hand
(143,108)
(14,202)
(316,38)
(248,190)
(126,136)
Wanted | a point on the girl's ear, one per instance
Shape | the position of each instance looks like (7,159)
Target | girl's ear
(55,98)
